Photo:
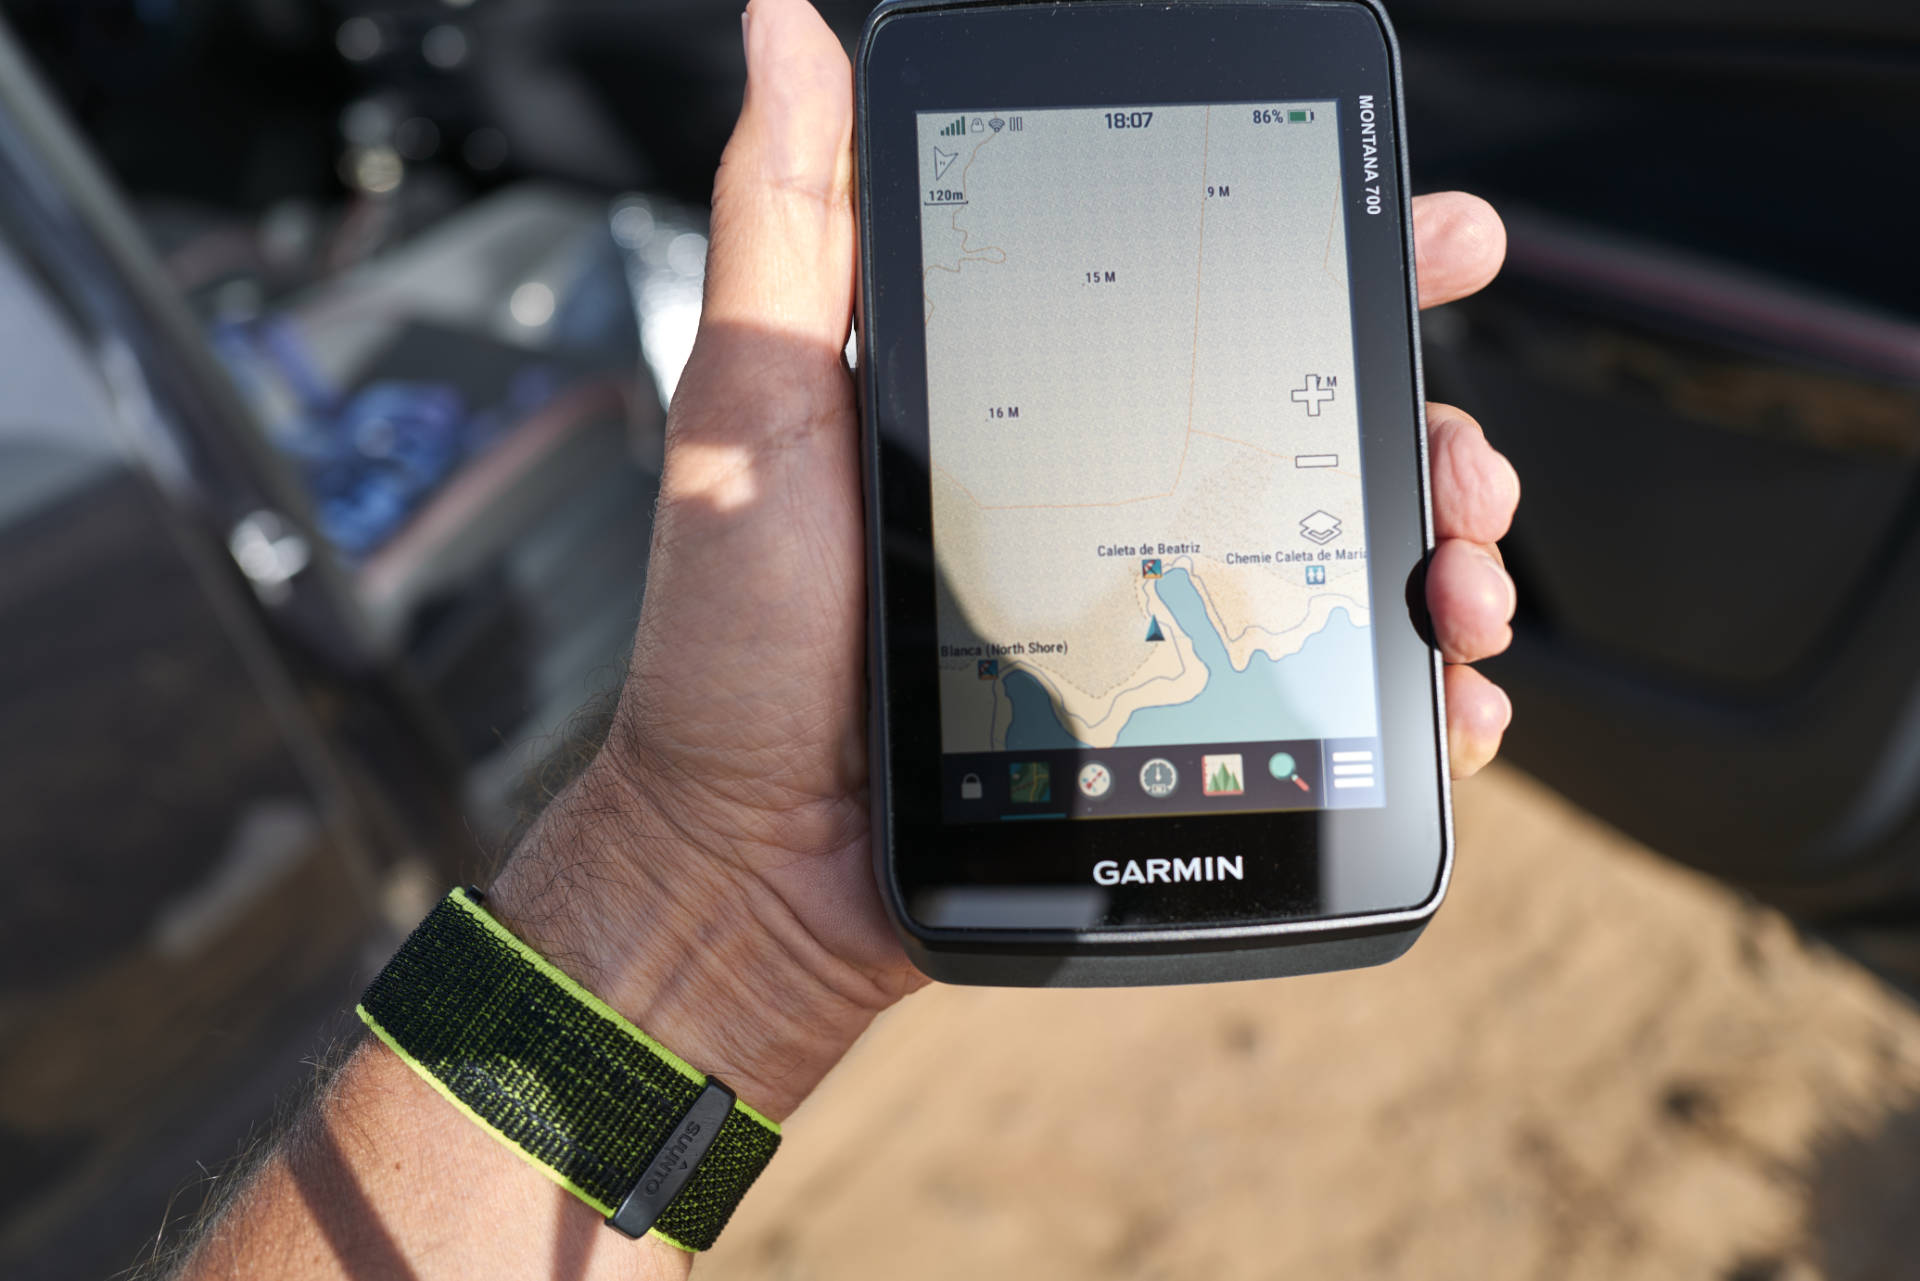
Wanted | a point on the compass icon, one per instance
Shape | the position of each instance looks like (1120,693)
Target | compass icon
(1096,780)
(1158,778)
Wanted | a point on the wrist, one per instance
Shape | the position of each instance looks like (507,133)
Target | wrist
(706,960)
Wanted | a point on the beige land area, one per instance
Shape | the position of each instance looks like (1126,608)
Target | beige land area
(1594,1065)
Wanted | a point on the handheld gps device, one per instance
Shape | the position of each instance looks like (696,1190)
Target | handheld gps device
(1147,493)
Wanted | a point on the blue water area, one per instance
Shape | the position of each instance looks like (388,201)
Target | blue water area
(1323,690)
(1036,725)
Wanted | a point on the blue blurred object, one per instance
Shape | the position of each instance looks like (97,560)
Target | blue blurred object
(373,457)
(384,453)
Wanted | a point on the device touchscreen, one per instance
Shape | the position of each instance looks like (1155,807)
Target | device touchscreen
(1146,485)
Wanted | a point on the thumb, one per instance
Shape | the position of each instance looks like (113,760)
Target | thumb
(781,259)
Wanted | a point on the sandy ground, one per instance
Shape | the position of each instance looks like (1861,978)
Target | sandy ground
(1594,1065)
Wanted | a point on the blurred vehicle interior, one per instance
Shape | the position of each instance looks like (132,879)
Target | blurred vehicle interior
(336,337)
(1704,358)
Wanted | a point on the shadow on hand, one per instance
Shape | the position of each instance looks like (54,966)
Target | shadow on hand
(339,1205)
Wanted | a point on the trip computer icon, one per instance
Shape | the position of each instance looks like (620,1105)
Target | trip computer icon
(1158,778)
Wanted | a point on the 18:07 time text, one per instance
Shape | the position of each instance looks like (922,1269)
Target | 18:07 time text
(1129,119)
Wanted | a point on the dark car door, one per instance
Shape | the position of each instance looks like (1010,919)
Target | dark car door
(191,875)
(237,756)
(179,882)
(1704,358)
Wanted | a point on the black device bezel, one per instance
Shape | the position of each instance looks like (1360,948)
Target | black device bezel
(1359,883)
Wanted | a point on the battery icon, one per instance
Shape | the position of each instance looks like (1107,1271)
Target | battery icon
(1296,116)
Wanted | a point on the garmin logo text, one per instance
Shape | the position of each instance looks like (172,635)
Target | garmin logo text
(1165,871)
(1369,153)
(669,1159)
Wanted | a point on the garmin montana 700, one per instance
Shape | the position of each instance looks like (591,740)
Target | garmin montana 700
(1146,480)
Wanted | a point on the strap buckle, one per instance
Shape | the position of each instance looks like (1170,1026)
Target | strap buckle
(675,1162)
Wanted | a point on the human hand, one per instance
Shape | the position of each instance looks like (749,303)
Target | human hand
(708,875)
(711,874)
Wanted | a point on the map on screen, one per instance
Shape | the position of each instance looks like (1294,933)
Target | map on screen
(1145,450)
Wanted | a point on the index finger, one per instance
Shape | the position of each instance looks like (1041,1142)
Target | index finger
(1459,243)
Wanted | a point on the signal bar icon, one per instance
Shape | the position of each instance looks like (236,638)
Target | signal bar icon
(955,130)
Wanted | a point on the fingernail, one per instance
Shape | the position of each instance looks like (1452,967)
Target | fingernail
(1507,699)
(1505,586)
(746,46)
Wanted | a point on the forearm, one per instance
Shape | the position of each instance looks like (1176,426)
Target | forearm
(383,1177)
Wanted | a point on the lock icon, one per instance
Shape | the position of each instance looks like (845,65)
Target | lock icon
(969,787)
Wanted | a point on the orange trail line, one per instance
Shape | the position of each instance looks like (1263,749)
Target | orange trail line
(953,222)
(977,256)
(1326,258)
(1018,507)
(1116,502)
(1199,276)
(1193,369)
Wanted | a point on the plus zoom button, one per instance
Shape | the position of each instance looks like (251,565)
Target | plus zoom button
(1313,393)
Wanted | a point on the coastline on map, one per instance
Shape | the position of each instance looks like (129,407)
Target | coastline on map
(1323,688)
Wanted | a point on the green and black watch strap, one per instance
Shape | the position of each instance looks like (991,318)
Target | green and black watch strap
(589,1099)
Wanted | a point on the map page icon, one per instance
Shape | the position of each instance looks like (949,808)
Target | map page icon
(1031,782)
